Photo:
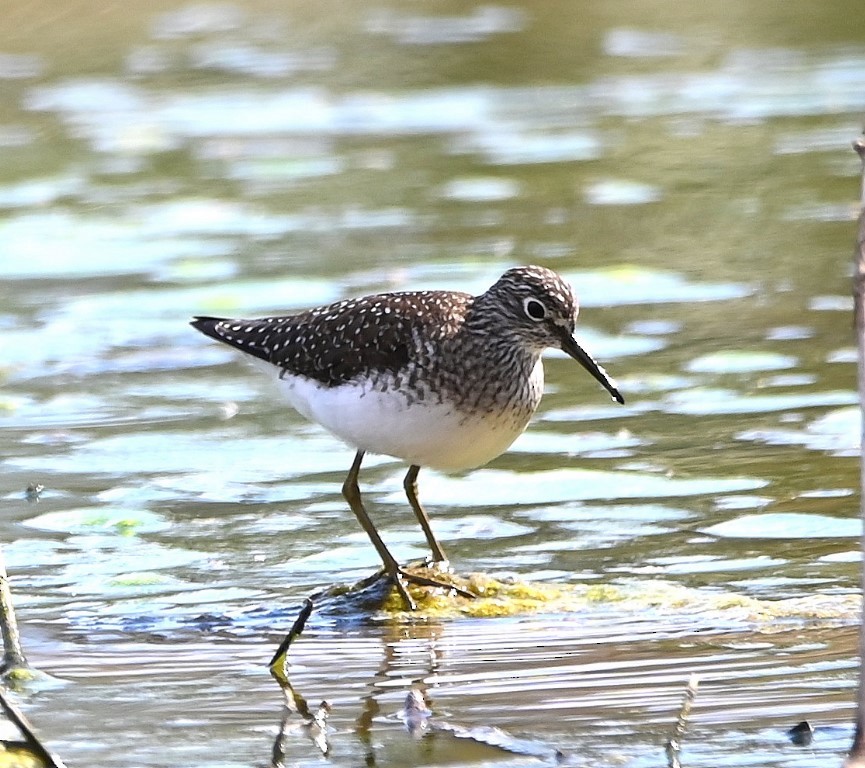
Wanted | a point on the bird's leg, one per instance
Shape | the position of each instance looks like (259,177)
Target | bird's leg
(410,485)
(351,491)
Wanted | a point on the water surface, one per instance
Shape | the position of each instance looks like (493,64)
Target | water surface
(688,170)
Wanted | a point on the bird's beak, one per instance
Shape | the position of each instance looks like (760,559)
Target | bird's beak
(570,346)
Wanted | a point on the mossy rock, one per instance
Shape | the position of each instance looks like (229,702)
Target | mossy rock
(504,597)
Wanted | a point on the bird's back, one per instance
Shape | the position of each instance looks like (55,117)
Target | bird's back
(373,336)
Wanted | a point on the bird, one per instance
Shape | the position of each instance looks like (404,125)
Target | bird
(439,379)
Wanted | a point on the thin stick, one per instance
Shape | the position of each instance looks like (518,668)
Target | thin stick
(33,744)
(279,663)
(856,758)
(13,655)
(674,745)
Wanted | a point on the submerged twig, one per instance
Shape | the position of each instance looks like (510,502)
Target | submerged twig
(420,723)
(30,739)
(316,728)
(856,757)
(674,745)
(416,713)
(314,725)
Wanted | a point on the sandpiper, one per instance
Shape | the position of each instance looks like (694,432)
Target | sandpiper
(439,379)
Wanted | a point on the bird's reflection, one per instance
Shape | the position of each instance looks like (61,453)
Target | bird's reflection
(432,737)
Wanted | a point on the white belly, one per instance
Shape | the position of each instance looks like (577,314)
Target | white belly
(425,433)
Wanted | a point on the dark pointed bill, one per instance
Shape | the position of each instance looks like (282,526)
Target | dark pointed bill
(569,345)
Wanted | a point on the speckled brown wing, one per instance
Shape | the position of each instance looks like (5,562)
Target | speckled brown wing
(339,342)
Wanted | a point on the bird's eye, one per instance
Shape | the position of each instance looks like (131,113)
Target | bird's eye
(534,309)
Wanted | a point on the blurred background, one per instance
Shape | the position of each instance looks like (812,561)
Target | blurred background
(686,166)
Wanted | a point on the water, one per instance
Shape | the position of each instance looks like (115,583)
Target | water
(688,170)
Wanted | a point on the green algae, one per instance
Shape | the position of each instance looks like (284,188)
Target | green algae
(603,593)
(19,676)
(139,579)
(87,520)
(125,526)
(497,598)
(24,678)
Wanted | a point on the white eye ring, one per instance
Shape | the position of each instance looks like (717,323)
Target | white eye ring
(534,309)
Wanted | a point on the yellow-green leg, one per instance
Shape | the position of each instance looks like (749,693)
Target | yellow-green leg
(410,485)
(351,491)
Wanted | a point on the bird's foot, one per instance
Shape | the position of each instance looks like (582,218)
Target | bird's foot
(401,577)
